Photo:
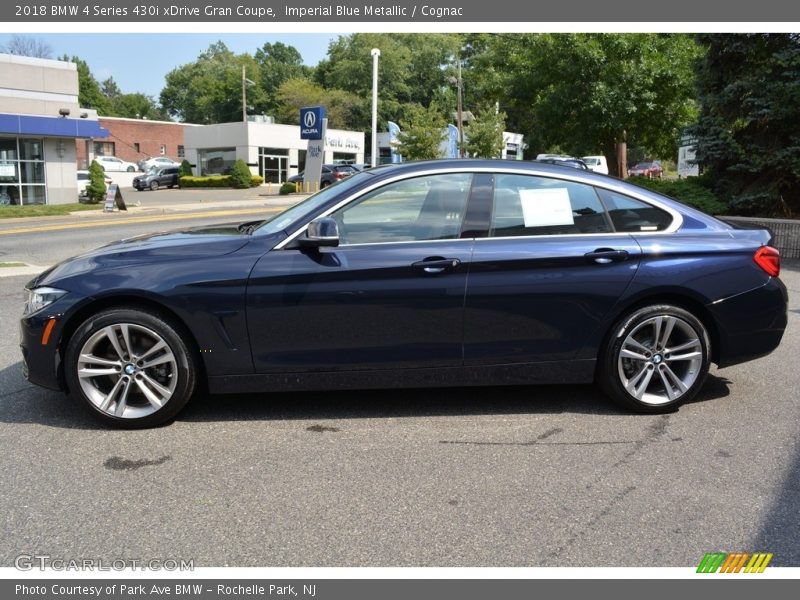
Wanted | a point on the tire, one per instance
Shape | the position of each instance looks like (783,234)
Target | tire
(637,373)
(125,392)
(325,184)
(153,186)
(130,169)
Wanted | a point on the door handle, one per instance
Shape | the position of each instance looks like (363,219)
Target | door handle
(604,256)
(436,265)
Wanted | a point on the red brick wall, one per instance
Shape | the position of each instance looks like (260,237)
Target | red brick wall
(124,133)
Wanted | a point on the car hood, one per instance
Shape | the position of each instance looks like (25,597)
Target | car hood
(196,243)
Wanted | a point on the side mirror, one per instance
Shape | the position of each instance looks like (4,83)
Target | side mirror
(323,231)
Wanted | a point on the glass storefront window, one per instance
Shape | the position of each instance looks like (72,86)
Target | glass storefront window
(22,172)
(31,150)
(33,194)
(218,161)
(8,149)
(32,172)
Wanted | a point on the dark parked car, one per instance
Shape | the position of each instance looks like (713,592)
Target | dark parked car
(650,169)
(330,174)
(423,274)
(157,177)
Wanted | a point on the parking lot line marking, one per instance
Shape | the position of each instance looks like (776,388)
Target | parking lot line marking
(148,219)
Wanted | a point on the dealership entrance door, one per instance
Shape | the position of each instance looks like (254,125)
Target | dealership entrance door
(273,165)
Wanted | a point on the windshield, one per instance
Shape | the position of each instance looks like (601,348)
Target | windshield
(282,220)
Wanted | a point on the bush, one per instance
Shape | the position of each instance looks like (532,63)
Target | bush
(288,188)
(96,188)
(208,181)
(241,177)
(693,191)
(186,169)
(214,181)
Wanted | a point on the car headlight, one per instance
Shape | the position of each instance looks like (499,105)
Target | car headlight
(39,298)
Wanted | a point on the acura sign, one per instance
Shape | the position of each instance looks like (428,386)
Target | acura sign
(311,123)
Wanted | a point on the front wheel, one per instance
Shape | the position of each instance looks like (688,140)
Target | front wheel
(130,367)
(130,169)
(656,359)
(154,185)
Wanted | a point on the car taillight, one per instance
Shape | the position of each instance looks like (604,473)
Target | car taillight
(769,259)
(340,176)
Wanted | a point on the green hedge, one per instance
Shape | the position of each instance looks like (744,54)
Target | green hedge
(692,191)
(214,181)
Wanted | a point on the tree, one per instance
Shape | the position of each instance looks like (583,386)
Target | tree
(484,136)
(278,63)
(749,126)
(209,90)
(587,92)
(413,68)
(96,188)
(341,107)
(422,132)
(27,46)
(132,106)
(90,94)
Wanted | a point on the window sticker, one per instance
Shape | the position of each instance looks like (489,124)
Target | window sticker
(544,207)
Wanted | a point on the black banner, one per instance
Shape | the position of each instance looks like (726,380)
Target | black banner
(354,589)
(426,11)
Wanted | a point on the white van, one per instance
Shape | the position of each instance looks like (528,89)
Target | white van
(597,164)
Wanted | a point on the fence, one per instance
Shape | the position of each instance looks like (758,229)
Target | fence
(786,233)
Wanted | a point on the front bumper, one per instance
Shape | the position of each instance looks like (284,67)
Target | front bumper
(41,355)
(750,325)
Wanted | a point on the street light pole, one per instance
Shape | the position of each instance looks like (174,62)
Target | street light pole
(460,116)
(375,54)
(245,83)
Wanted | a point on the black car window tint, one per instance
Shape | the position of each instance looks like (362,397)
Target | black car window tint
(423,208)
(629,214)
(531,205)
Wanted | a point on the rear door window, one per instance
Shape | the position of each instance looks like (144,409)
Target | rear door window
(530,205)
(632,215)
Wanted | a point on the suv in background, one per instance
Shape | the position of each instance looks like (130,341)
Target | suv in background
(157,177)
(330,174)
(598,164)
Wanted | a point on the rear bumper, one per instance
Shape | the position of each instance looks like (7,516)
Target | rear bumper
(750,325)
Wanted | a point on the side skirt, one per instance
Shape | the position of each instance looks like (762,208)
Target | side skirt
(579,371)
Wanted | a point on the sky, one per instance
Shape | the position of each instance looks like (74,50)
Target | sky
(139,62)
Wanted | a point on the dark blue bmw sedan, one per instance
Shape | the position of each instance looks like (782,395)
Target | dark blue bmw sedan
(424,274)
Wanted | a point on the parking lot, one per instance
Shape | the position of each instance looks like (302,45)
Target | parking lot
(518,476)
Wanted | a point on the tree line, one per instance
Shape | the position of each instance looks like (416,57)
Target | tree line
(577,94)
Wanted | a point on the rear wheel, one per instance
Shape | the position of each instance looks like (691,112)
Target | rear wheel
(657,359)
(130,367)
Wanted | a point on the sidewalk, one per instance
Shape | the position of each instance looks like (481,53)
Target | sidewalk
(177,201)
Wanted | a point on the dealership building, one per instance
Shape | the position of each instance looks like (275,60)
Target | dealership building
(40,124)
(273,151)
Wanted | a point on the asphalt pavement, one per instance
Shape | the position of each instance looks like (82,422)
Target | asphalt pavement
(506,476)
(519,476)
